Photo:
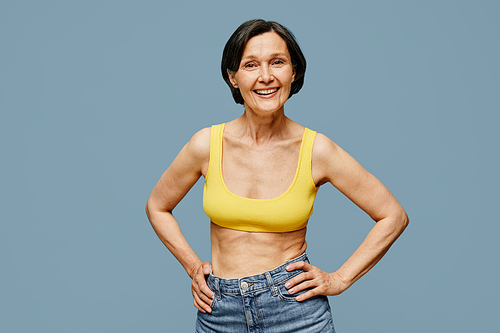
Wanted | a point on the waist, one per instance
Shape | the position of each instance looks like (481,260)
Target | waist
(237,253)
(252,283)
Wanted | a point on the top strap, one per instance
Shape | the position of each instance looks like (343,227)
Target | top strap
(307,147)
(215,149)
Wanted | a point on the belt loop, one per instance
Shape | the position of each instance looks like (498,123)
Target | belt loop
(215,279)
(272,287)
(216,284)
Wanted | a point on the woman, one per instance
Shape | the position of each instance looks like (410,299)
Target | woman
(262,171)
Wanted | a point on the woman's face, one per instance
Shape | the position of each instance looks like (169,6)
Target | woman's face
(265,74)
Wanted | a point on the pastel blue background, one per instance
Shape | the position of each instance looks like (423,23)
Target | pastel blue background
(97,98)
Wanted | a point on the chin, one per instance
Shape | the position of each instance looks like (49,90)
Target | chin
(266,108)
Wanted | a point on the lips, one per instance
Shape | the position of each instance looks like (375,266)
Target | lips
(265,92)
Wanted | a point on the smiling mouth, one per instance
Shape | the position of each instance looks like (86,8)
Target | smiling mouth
(264,92)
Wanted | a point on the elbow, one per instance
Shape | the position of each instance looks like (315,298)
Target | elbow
(403,220)
(151,213)
(154,211)
(407,220)
(396,222)
(149,209)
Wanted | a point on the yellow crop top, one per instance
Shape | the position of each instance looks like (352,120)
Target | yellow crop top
(288,212)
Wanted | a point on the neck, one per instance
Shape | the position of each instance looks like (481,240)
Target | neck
(261,128)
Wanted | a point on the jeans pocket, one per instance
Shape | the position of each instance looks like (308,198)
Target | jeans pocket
(214,300)
(284,295)
(216,297)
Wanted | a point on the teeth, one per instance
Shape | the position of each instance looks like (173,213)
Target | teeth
(266,91)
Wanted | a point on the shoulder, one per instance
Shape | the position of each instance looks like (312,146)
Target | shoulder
(199,144)
(328,159)
(324,147)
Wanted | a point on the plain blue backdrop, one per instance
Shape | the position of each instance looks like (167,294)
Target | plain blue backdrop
(97,98)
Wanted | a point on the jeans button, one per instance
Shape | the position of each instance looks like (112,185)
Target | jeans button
(244,286)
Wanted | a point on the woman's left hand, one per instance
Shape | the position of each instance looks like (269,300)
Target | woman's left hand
(321,282)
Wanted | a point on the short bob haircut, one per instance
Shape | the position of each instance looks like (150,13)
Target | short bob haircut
(233,51)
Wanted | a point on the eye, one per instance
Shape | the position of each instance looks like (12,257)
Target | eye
(277,62)
(250,65)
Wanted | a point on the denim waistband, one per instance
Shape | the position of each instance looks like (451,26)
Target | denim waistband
(256,282)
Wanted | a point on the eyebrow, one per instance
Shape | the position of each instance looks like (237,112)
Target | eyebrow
(274,55)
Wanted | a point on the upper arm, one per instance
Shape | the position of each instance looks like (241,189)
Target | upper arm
(182,174)
(332,164)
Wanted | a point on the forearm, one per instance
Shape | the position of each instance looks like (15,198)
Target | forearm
(374,247)
(169,232)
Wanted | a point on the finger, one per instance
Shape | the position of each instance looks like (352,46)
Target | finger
(295,265)
(300,265)
(204,289)
(306,295)
(204,297)
(206,268)
(301,286)
(298,279)
(200,304)
(202,292)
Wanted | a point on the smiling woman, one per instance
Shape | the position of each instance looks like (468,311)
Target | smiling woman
(265,74)
(262,172)
(235,46)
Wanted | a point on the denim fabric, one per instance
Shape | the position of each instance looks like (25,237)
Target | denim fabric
(262,304)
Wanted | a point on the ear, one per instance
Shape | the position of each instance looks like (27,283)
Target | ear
(232,78)
(293,75)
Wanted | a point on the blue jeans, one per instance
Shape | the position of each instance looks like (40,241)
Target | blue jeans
(261,304)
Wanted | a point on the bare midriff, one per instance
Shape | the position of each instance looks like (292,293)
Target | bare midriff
(236,253)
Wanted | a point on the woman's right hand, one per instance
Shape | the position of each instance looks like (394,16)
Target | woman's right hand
(202,295)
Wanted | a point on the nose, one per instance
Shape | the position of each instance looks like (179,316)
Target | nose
(266,74)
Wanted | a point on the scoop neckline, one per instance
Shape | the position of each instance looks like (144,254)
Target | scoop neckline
(299,162)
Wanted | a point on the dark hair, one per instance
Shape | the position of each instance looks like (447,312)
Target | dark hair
(233,51)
